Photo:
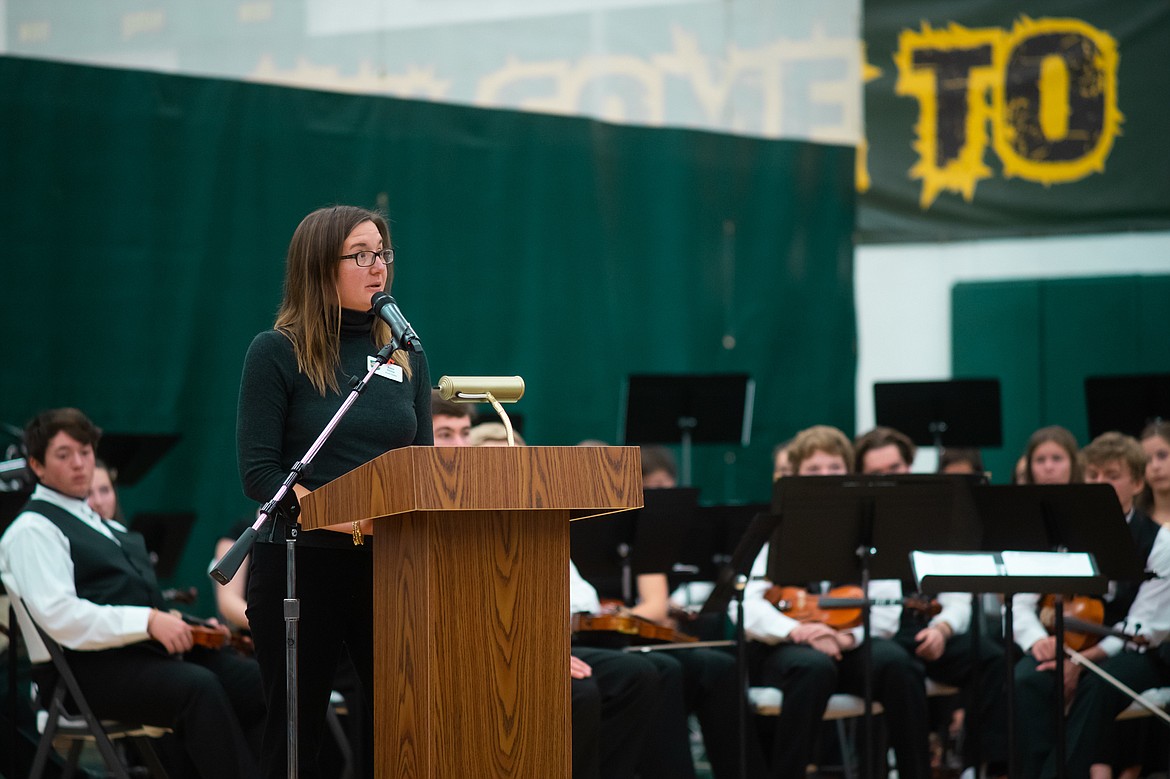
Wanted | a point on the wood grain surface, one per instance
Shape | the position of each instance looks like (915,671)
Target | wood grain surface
(588,480)
(471,599)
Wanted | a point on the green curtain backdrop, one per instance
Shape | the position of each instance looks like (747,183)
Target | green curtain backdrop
(998,118)
(1042,338)
(145,218)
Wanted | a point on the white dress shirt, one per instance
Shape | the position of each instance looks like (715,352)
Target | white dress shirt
(582,595)
(36,566)
(1149,614)
(764,622)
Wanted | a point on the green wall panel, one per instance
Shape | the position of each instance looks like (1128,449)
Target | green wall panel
(1042,338)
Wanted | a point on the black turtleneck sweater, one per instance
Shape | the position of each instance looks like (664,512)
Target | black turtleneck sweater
(281,414)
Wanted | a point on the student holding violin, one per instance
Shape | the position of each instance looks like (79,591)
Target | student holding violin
(810,660)
(89,584)
(939,637)
(615,697)
(614,694)
(698,680)
(1139,609)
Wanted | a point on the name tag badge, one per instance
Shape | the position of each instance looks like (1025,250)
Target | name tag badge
(390,370)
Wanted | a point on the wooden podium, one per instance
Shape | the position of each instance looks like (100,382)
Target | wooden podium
(471,599)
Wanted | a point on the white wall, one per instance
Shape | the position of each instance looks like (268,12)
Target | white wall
(903,296)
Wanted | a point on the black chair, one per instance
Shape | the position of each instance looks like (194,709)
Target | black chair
(73,731)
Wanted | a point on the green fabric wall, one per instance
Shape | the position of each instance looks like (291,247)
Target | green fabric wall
(145,218)
(1041,338)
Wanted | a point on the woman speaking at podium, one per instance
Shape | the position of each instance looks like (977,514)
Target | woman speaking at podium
(295,378)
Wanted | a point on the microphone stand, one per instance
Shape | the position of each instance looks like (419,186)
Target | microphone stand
(284,502)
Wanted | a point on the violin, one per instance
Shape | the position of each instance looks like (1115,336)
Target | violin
(798,603)
(803,606)
(215,638)
(1080,611)
(627,624)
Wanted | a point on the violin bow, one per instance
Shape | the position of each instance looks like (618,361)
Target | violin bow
(1142,701)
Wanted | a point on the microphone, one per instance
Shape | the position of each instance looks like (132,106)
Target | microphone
(386,308)
(474,389)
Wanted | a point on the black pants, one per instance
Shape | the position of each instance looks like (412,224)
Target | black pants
(1091,718)
(699,681)
(335,589)
(212,700)
(612,710)
(808,677)
(984,686)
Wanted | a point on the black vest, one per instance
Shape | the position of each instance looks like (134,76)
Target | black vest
(1144,530)
(104,571)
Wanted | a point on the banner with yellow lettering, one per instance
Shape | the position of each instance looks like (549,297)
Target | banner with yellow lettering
(989,119)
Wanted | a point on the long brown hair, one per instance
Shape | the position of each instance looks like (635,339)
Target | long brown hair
(1159,428)
(1066,441)
(310,312)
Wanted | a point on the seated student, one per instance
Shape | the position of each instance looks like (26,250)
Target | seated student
(231,599)
(616,697)
(1051,457)
(884,450)
(492,434)
(451,421)
(703,678)
(89,584)
(781,466)
(809,661)
(658,468)
(960,461)
(102,497)
(1134,607)
(942,642)
(1155,500)
(1020,470)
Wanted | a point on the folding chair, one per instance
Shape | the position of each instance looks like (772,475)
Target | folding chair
(61,728)
(767,702)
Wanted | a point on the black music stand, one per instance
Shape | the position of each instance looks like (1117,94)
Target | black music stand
(1059,517)
(966,410)
(714,534)
(688,409)
(855,528)
(165,535)
(1126,403)
(601,549)
(666,518)
(613,550)
(1080,518)
(729,585)
(133,455)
